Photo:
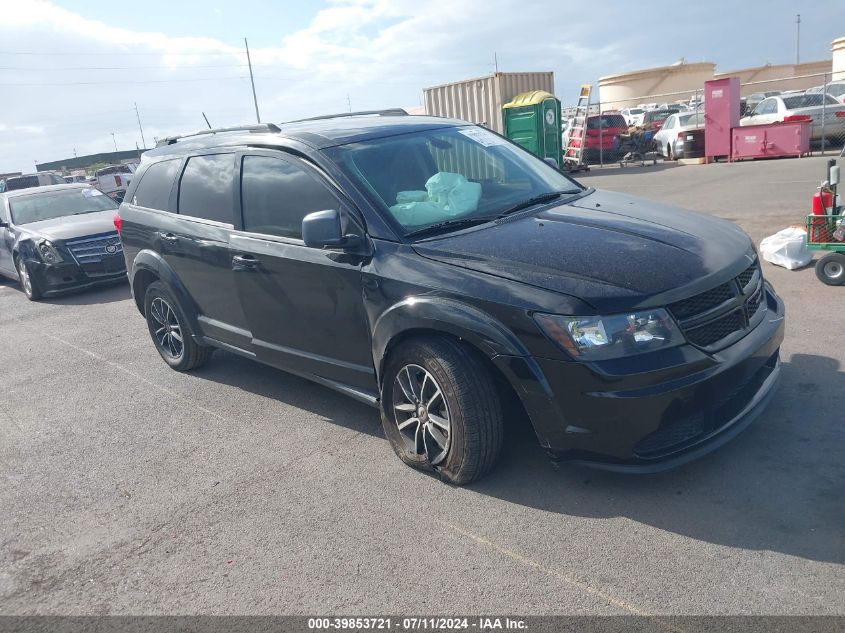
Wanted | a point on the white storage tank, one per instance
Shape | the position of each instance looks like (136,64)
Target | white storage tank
(679,80)
(480,100)
(837,48)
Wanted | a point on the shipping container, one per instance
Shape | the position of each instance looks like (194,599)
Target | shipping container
(480,100)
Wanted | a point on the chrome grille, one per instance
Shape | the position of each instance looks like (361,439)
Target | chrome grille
(710,317)
(92,250)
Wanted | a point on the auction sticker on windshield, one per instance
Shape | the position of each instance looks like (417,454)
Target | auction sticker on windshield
(484,137)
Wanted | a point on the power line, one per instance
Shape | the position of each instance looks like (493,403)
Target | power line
(122,81)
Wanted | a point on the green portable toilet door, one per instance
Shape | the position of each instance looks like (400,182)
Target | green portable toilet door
(551,130)
(521,127)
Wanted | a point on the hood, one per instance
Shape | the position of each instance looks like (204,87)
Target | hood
(614,251)
(72,226)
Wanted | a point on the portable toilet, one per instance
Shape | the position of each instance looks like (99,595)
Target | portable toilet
(532,119)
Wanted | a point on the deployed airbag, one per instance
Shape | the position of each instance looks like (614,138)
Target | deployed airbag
(447,195)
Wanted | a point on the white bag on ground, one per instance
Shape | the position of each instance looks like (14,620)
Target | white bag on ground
(787,248)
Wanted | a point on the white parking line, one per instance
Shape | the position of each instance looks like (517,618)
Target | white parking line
(579,584)
(138,377)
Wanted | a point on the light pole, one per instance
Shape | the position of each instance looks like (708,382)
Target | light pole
(115,141)
(797,39)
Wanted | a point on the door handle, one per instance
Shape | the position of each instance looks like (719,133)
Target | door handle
(244,262)
(170,238)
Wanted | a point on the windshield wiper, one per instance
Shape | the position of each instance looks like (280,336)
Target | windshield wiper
(538,199)
(449,224)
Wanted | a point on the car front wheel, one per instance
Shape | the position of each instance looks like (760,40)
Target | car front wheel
(29,284)
(170,330)
(441,410)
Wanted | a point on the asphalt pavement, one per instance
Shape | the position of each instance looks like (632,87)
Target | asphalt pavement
(128,488)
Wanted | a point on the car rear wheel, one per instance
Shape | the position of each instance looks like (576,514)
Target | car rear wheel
(830,269)
(441,410)
(170,330)
(669,152)
(29,284)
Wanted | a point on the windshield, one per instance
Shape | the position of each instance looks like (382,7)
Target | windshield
(55,204)
(807,101)
(692,119)
(606,121)
(658,115)
(425,178)
(636,111)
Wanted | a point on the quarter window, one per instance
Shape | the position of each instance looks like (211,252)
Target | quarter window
(156,184)
(205,190)
(277,194)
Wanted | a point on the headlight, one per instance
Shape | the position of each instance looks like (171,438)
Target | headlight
(48,252)
(604,337)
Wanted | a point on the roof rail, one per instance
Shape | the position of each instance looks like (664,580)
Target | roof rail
(387,112)
(259,127)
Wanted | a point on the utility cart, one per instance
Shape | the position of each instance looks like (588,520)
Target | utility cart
(830,268)
(826,229)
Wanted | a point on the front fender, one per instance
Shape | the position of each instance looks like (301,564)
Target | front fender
(443,315)
(486,334)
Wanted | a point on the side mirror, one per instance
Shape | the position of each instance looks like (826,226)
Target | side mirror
(322,229)
(551,161)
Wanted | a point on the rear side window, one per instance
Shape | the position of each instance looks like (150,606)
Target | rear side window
(205,190)
(156,184)
(276,194)
(23,182)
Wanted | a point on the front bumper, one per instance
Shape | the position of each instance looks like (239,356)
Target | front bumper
(648,414)
(68,275)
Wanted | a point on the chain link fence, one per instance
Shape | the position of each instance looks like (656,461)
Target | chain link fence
(820,96)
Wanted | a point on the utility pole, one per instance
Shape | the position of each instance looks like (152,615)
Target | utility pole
(496,62)
(138,116)
(74,152)
(348,102)
(252,81)
(797,39)
(114,140)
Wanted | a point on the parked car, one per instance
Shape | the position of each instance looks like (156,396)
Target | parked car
(59,237)
(114,179)
(794,106)
(835,89)
(633,116)
(602,138)
(13,183)
(669,140)
(653,119)
(438,271)
(754,99)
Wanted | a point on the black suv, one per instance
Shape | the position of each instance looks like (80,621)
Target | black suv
(438,271)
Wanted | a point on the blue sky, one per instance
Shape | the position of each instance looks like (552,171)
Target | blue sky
(70,72)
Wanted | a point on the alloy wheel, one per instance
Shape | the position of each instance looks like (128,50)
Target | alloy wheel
(421,413)
(167,331)
(26,282)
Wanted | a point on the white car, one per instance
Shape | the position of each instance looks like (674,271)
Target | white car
(835,89)
(669,140)
(788,106)
(633,116)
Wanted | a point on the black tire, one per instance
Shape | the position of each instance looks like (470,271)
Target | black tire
(473,409)
(830,269)
(669,151)
(163,312)
(29,284)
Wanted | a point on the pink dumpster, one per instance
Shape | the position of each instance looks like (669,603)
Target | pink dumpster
(790,138)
